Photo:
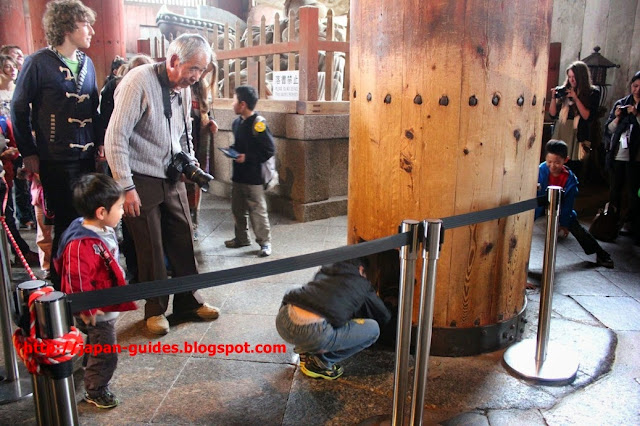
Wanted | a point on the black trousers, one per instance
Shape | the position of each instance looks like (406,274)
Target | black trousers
(11,221)
(164,228)
(588,243)
(58,179)
(626,174)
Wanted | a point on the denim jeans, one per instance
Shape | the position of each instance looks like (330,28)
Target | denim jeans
(328,344)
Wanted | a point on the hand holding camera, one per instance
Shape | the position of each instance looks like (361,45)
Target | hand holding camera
(624,110)
(183,163)
(560,92)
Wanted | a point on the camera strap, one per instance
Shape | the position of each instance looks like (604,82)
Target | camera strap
(161,72)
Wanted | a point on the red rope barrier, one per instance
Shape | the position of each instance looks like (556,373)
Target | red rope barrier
(17,249)
(34,351)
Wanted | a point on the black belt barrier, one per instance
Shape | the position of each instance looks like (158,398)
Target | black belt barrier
(95,299)
(492,214)
(98,298)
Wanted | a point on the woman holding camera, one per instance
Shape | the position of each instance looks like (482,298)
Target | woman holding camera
(575,105)
(622,144)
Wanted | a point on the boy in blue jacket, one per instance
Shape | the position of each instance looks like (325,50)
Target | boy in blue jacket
(554,172)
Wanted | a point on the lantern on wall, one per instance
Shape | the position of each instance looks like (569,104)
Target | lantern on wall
(598,66)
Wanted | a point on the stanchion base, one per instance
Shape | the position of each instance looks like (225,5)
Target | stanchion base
(16,390)
(559,368)
(379,420)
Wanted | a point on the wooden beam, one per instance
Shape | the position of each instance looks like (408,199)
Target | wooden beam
(322,107)
(264,105)
(267,49)
(308,59)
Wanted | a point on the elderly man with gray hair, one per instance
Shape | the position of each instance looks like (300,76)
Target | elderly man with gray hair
(150,125)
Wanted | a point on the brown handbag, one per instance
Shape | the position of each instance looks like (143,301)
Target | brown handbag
(605,224)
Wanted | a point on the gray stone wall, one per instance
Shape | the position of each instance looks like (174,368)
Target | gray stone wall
(312,159)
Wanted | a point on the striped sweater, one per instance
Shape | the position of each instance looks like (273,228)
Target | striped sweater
(138,139)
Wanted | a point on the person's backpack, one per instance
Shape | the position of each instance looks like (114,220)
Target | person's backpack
(270,177)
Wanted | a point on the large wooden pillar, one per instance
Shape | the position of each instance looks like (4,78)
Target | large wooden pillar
(34,16)
(447,109)
(13,26)
(109,39)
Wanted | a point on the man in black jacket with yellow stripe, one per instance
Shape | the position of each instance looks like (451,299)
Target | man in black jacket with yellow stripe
(254,143)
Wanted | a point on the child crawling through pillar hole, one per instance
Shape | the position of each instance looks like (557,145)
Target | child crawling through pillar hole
(331,318)
(554,172)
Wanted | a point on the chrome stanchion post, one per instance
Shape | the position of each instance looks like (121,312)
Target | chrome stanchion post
(38,382)
(54,321)
(548,272)
(12,387)
(408,256)
(539,359)
(430,255)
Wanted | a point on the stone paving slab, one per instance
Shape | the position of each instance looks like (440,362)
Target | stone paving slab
(227,392)
(617,313)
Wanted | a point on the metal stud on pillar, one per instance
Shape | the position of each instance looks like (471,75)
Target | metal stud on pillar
(54,321)
(12,386)
(539,359)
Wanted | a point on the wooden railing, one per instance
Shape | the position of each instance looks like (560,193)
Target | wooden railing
(230,53)
(307,46)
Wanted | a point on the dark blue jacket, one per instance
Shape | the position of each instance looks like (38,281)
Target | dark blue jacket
(568,197)
(257,145)
(62,112)
(339,293)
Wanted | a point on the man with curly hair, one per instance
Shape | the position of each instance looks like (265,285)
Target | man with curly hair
(56,97)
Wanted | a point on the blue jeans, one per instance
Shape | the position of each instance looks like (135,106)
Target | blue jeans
(328,344)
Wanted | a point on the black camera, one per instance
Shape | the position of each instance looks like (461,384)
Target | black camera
(182,162)
(561,92)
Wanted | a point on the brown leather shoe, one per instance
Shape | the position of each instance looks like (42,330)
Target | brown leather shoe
(158,324)
(207,312)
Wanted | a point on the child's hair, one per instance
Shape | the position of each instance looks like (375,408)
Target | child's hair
(117,63)
(93,191)
(247,94)
(358,261)
(557,147)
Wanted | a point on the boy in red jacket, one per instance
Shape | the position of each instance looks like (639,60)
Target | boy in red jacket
(87,260)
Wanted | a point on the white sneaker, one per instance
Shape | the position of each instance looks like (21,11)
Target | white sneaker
(158,324)
(207,312)
(265,250)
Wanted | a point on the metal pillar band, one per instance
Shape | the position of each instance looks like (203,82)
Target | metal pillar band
(408,256)
(551,363)
(12,386)
(430,255)
(54,321)
(38,383)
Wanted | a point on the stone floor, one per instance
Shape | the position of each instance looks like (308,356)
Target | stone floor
(596,313)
